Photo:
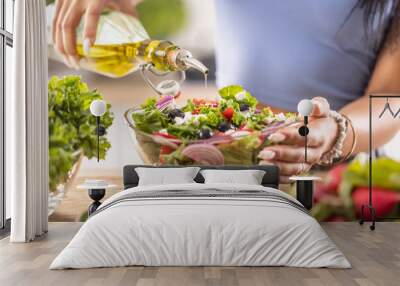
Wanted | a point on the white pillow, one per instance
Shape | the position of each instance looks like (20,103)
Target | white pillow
(166,176)
(248,177)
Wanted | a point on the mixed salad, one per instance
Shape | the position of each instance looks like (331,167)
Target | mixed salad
(230,129)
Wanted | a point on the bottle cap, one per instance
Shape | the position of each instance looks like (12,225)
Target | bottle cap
(169,87)
(176,58)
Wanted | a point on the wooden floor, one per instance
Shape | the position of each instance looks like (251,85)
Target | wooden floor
(375,257)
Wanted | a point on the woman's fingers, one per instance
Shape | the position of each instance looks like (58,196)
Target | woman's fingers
(292,154)
(70,22)
(58,5)
(126,7)
(91,17)
(288,169)
(291,136)
(321,107)
(68,15)
(59,40)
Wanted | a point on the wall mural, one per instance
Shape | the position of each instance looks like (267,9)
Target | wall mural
(154,80)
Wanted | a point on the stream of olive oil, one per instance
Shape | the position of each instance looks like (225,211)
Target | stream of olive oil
(205,80)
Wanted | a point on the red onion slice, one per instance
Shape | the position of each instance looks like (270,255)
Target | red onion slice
(164,101)
(217,139)
(173,143)
(204,154)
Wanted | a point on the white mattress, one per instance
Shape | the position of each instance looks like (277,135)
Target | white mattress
(189,231)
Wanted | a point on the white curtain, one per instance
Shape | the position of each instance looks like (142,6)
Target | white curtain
(27,127)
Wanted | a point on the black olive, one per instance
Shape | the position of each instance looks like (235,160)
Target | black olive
(176,113)
(243,107)
(205,133)
(224,126)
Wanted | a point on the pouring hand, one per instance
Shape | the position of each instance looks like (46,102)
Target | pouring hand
(67,16)
(289,154)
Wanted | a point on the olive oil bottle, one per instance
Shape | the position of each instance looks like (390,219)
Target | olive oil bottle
(123,46)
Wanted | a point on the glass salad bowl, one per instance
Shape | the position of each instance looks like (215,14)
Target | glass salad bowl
(229,130)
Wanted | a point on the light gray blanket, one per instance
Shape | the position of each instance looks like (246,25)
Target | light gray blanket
(199,224)
(205,194)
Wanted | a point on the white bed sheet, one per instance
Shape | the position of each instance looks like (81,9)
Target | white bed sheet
(200,231)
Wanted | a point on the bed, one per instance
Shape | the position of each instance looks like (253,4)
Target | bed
(197,224)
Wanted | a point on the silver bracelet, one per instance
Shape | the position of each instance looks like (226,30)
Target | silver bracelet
(336,151)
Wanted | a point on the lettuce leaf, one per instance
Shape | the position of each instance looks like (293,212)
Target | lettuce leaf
(229,93)
(183,131)
(189,107)
(150,104)
(238,119)
(213,118)
(150,121)
(243,151)
(71,126)
(176,157)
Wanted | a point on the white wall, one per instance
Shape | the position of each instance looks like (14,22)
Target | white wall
(198,35)
(392,149)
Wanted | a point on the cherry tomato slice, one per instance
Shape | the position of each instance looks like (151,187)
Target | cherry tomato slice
(164,150)
(228,113)
(165,135)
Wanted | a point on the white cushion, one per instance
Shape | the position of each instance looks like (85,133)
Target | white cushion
(248,177)
(166,176)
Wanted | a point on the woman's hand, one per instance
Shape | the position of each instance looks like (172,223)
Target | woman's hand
(289,154)
(67,17)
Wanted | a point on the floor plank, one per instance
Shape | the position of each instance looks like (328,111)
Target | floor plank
(375,257)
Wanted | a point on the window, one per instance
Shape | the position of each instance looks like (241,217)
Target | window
(6,43)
